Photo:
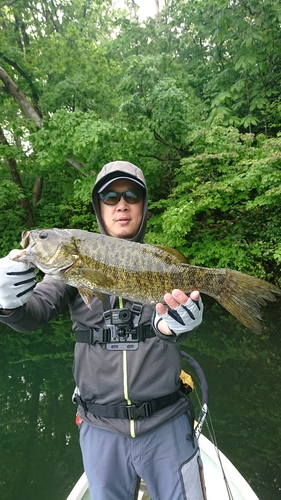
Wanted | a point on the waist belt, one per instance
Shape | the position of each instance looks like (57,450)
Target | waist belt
(130,412)
(103,335)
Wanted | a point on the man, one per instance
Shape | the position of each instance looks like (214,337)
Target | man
(134,420)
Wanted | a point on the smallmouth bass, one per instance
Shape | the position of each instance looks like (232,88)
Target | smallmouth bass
(96,264)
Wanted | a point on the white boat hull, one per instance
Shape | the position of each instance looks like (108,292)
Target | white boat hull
(214,478)
(215,484)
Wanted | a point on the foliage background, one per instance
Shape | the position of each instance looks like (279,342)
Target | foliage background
(192,96)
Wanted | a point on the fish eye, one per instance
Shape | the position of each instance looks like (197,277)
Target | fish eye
(43,235)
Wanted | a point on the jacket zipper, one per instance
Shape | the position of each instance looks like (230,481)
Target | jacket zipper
(126,392)
(125,381)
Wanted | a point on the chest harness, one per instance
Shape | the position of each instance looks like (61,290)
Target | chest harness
(123,332)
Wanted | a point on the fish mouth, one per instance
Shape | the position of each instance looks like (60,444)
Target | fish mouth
(25,239)
(48,263)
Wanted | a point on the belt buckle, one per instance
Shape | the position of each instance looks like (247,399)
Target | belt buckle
(147,409)
(134,412)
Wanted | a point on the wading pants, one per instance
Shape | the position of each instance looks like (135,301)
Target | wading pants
(165,458)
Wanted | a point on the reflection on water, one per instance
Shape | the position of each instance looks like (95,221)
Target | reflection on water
(38,437)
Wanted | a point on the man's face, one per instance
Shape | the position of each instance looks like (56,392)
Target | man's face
(123,219)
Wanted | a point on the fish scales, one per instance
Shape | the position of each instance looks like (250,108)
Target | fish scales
(137,273)
(140,272)
(97,264)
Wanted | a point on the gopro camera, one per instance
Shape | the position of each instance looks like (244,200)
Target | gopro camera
(121,324)
(121,318)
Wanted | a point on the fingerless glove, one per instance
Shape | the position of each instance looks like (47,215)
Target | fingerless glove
(17,281)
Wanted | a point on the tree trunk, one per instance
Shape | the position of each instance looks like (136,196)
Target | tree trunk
(17,180)
(37,190)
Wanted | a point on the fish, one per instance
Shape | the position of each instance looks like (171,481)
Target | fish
(97,264)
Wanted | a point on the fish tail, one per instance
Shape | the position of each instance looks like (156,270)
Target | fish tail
(244,295)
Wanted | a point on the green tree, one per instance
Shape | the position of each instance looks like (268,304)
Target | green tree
(191,96)
(230,53)
(225,206)
(40,46)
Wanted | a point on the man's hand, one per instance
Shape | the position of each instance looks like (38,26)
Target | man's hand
(17,281)
(182,315)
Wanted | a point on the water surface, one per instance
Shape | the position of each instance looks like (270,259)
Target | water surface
(40,455)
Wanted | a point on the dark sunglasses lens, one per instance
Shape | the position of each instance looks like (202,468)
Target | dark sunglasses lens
(112,197)
(132,196)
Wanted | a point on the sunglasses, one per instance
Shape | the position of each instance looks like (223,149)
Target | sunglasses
(113,197)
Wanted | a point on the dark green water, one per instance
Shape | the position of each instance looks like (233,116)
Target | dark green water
(40,455)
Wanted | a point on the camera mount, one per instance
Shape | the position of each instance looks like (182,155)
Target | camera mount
(122,324)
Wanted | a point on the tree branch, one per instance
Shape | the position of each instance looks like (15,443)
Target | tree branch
(37,190)
(20,98)
(25,75)
(78,166)
(180,149)
(17,180)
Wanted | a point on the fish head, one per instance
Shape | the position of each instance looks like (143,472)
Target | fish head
(54,251)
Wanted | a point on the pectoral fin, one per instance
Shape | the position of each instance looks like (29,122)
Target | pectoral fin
(87,296)
(95,280)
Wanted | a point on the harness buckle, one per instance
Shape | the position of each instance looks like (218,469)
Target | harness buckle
(99,335)
(137,309)
(135,412)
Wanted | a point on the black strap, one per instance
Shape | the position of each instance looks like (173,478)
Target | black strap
(106,301)
(130,412)
(103,335)
(93,336)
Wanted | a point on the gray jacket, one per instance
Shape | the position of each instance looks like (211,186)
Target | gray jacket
(102,376)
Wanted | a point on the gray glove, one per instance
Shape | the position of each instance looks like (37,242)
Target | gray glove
(17,281)
(184,318)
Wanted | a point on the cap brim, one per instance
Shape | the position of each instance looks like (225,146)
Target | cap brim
(117,179)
